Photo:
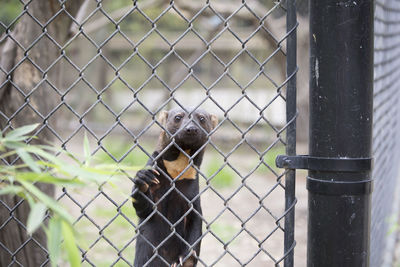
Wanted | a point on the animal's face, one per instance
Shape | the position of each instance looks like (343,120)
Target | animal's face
(191,130)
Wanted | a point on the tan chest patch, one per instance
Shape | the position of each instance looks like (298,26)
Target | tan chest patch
(176,167)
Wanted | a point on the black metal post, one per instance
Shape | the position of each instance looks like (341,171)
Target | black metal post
(291,70)
(341,40)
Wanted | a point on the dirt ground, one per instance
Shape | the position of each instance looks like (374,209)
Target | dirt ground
(233,229)
(240,226)
(260,226)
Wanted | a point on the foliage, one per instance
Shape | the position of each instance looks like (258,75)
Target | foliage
(225,232)
(118,149)
(220,178)
(9,10)
(21,178)
(270,157)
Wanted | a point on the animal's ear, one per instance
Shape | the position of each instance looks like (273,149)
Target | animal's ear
(162,118)
(163,140)
(214,121)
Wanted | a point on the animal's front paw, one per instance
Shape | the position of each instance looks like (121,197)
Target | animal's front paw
(175,264)
(189,262)
(144,178)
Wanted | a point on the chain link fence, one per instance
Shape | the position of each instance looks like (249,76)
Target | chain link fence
(108,69)
(385,198)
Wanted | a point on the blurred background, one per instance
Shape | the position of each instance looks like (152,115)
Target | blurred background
(127,62)
(108,68)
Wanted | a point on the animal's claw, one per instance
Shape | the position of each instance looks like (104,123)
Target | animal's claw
(145,178)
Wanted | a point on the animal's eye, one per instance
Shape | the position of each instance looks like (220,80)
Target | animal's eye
(178,118)
(202,119)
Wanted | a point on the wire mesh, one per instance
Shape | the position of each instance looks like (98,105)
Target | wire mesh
(385,200)
(121,64)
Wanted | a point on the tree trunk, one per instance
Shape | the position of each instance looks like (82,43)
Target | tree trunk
(27,96)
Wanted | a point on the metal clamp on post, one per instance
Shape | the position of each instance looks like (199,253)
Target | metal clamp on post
(324,164)
(330,187)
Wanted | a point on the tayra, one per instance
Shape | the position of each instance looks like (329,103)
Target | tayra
(166,192)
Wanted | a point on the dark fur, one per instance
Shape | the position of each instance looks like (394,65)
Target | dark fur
(151,185)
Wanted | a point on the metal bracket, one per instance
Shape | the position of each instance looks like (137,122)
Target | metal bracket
(324,164)
(330,187)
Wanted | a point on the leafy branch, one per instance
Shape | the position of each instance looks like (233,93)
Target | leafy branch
(21,179)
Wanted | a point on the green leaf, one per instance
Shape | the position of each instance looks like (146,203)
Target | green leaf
(86,149)
(14,144)
(36,217)
(47,178)
(11,189)
(75,171)
(27,158)
(7,154)
(72,156)
(28,197)
(70,245)
(18,133)
(16,139)
(48,201)
(40,152)
(54,237)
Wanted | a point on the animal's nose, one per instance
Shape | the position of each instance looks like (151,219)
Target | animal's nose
(191,129)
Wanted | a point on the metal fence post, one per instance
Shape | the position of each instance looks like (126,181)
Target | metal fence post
(291,70)
(341,40)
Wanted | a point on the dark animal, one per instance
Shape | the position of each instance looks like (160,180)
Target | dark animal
(165,194)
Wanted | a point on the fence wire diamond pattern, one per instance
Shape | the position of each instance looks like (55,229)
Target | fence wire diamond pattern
(118,67)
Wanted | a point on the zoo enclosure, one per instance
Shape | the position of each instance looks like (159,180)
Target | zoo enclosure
(109,68)
(123,63)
